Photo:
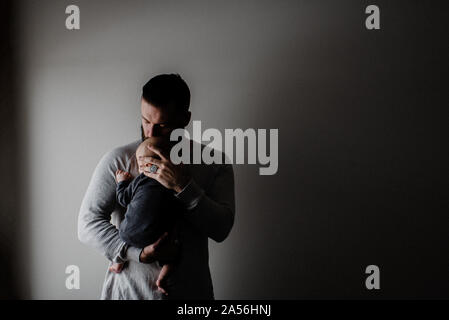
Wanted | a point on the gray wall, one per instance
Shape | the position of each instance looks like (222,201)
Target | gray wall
(362,121)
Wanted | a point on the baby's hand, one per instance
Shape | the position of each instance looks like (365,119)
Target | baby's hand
(121,175)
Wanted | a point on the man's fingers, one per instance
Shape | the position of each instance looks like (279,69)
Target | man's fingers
(151,160)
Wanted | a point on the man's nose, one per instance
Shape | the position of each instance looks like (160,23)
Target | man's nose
(149,132)
(152,132)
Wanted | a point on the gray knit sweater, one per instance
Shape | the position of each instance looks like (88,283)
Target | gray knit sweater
(209,198)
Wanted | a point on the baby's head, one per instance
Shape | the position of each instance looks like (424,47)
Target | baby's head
(143,151)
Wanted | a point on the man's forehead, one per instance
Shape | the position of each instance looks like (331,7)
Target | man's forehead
(156,114)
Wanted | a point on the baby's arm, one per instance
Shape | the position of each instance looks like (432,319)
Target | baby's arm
(123,190)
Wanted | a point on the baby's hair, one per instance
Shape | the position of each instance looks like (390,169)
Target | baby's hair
(158,142)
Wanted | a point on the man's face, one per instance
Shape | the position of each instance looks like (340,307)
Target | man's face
(160,122)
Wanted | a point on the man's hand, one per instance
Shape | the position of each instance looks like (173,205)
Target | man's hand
(121,175)
(162,249)
(171,176)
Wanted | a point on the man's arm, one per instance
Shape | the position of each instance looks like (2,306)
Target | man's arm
(94,226)
(213,210)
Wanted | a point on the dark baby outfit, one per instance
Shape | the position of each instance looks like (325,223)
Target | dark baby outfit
(151,210)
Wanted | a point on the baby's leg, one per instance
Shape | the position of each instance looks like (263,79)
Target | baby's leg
(161,280)
(116,267)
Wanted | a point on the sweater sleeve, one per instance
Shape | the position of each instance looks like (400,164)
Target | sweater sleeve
(212,210)
(94,226)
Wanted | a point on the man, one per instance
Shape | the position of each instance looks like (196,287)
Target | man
(207,191)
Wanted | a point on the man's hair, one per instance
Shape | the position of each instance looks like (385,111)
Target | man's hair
(167,89)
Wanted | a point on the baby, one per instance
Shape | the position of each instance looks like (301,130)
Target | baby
(151,209)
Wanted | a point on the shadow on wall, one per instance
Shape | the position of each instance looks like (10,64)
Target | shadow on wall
(11,201)
(356,183)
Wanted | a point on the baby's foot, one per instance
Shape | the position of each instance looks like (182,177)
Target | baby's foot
(160,282)
(116,267)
